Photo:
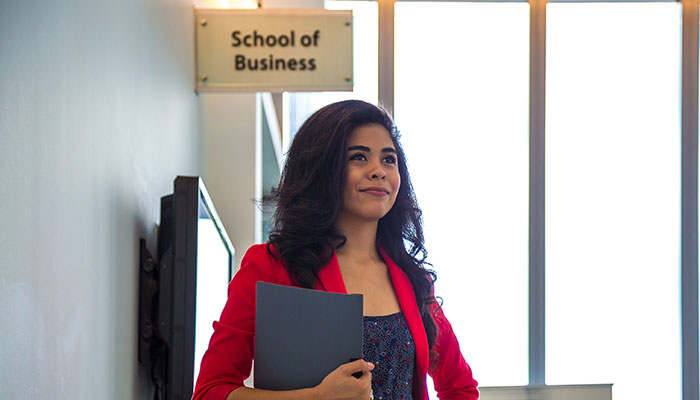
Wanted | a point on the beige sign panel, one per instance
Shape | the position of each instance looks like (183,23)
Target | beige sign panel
(273,50)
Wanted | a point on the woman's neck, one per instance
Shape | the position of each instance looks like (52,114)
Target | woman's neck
(361,240)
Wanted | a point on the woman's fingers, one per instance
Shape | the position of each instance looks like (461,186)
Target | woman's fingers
(366,378)
(340,384)
(357,366)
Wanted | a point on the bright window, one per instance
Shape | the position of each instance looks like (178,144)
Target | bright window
(461,103)
(613,197)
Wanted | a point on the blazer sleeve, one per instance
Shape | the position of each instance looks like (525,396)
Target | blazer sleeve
(228,359)
(451,374)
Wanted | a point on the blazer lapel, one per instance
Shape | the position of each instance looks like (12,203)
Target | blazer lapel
(409,307)
(330,279)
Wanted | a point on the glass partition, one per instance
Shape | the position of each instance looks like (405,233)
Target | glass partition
(613,197)
(214,266)
(461,103)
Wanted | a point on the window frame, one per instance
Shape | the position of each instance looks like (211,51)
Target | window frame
(689,177)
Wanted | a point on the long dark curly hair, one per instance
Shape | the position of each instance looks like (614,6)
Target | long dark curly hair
(310,195)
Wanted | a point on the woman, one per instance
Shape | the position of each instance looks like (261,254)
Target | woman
(346,221)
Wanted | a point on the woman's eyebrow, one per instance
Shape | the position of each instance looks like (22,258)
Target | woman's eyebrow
(365,148)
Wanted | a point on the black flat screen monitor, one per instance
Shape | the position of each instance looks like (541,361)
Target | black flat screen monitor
(195,267)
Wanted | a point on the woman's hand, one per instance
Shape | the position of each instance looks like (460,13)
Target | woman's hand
(340,384)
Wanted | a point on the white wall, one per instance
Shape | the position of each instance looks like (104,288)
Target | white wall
(97,116)
(228,126)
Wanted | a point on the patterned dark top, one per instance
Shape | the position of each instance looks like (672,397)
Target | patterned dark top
(387,343)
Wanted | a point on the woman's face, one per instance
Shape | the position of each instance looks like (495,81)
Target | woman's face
(373,178)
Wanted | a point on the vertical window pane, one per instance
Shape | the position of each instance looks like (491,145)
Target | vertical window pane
(365,61)
(613,197)
(461,103)
(212,278)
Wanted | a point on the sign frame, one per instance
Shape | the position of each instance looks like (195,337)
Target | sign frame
(204,82)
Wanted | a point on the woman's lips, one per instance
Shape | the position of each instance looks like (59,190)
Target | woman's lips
(375,191)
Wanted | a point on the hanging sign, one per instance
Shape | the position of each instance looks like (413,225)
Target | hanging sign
(273,50)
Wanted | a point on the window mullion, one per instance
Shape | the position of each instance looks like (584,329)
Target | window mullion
(536,318)
(689,202)
(386,54)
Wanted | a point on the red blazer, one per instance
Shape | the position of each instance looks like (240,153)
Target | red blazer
(227,361)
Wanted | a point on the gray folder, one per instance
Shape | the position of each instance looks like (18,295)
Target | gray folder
(301,335)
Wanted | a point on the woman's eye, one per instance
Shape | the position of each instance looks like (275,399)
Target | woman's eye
(390,159)
(358,156)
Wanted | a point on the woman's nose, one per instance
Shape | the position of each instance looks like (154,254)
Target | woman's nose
(377,172)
